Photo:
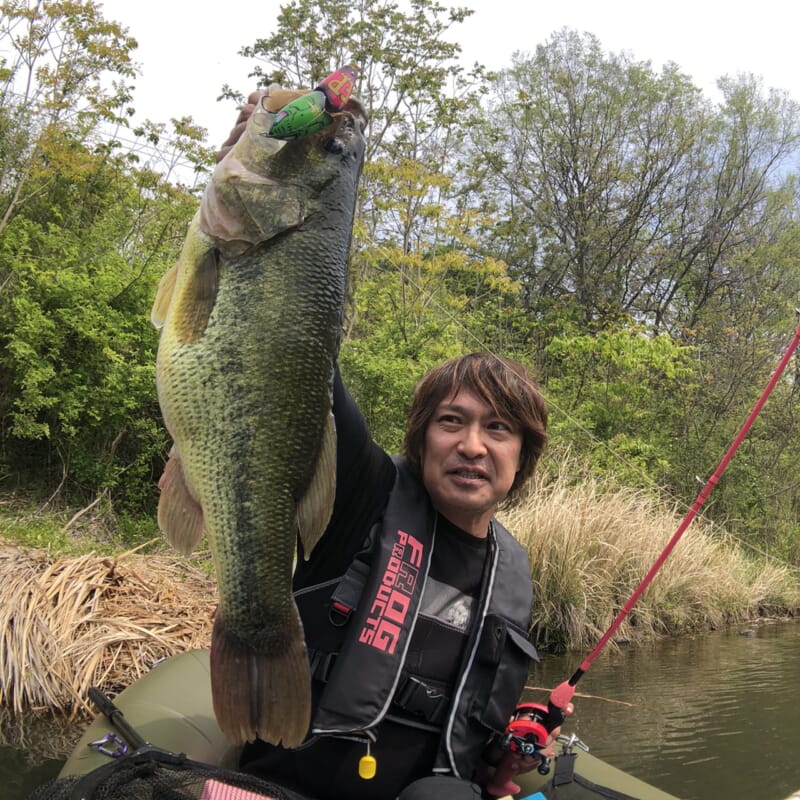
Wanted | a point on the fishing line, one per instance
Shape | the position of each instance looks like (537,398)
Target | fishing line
(562,694)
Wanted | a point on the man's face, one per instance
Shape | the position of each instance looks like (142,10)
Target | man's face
(470,460)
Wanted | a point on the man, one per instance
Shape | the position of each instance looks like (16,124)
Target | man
(416,602)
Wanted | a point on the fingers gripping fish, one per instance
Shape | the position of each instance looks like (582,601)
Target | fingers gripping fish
(251,317)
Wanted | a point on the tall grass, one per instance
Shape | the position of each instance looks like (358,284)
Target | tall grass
(591,545)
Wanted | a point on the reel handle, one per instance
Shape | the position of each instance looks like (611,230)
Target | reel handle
(525,735)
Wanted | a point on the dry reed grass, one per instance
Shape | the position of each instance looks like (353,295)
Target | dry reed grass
(590,547)
(73,622)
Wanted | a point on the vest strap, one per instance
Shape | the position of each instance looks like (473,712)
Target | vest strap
(417,697)
(345,597)
(413,695)
(382,624)
(321,663)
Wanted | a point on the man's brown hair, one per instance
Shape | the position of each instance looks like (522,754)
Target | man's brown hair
(503,384)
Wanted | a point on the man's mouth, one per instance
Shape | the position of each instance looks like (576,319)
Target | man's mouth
(469,474)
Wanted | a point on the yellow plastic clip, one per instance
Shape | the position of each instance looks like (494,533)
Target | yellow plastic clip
(367,766)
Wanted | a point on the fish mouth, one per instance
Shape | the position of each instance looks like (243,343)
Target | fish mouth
(347,123)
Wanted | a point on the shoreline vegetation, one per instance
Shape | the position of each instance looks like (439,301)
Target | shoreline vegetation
(80,609)
(591,544)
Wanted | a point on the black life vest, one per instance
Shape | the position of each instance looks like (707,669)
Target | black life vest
(358,639)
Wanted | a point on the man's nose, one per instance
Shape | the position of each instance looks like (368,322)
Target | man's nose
(471,444)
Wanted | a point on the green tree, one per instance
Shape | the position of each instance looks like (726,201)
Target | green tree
(87,230)
(615,401)
(77,403)
(623,190)
(405,62)
(628,199)
(416,270)
(53,84)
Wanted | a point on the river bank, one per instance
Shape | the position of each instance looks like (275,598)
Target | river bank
(590,546)
(71,622)
(81,609)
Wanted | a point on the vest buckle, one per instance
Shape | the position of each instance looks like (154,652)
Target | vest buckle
(339,613)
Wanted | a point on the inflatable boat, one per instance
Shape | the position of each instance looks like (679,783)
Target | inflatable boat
(169,716)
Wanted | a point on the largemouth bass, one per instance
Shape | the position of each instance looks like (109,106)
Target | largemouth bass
(251,316)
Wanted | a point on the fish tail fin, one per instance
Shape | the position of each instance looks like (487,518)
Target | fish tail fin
(264,695)
(314,510)
(180,516)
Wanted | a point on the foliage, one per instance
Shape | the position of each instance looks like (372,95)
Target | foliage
(638,193)
(78,351)
(633,243)
(419,290)
(616,394)
(626,198)
(403,56)
(84,238)
(52,85)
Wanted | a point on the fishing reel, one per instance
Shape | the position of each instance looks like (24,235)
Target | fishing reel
(527,733)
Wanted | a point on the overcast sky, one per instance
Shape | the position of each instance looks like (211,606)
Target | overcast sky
(186,53)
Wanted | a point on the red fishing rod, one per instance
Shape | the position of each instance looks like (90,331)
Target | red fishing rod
(532,723)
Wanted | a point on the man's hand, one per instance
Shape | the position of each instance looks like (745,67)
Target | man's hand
(514,762)
(245,113)
(522,763)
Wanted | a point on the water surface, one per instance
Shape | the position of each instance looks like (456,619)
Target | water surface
(711,717)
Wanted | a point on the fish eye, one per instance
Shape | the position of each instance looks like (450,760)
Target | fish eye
(334,145)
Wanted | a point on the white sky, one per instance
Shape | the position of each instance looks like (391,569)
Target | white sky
(188,50)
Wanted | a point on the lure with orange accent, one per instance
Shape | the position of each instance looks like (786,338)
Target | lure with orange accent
(338,87)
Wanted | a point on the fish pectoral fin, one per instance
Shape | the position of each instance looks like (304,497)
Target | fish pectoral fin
(314,510)
(191,315)
(188,290)
(166,288)
(180,516)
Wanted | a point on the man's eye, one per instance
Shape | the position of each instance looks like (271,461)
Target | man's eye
(499,425)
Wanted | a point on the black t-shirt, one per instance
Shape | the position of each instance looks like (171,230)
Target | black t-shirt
(405,749)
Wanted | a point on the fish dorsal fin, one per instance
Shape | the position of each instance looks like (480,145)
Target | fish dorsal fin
(314,510)
(180,515)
